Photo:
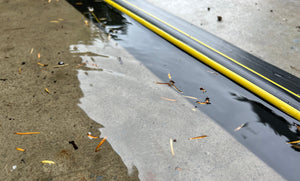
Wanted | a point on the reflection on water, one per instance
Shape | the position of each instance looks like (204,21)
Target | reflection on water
(139,127)
(267,117)
(103,16)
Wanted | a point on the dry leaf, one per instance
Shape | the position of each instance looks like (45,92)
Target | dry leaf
(86,22)
(198,137)
(203,90)
(169,75)
(39,55)
(31,51)
(54,21)
(167,99)
(20,70)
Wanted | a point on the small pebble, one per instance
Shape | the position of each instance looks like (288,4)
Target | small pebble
(60,63)
(208,9)
(219,18)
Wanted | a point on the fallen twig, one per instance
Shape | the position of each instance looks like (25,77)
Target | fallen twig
(43,65)
(167,99)
(101,142)
(58,66)
(27,133)
(47,162)
(190,97)
(20,149)
(171,146)
(47,90)
(238,128)
(293,142)
(92,137)
(198,137)
(80,65)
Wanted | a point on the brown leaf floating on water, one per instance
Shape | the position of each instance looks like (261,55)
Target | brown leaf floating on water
(203,90)
(205,102)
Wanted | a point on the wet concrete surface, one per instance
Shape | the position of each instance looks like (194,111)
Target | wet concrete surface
(133,136)
(267,29)
(26,31)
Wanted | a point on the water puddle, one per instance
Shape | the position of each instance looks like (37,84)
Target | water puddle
(144,121)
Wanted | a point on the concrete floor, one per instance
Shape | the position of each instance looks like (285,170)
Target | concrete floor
(139,123)
(267,29)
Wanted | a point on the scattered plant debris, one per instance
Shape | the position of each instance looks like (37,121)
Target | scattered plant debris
(213,72)
(243,125)
(27,133)
(92,137)
(293,142)
(20,149)
(203,90)
(205,102)
(31,51)
(101,142)
(167,99)
(73,144)
(169,75)
(171,83)
(198,137)
(47,162)
(43,65)
(171,146)
(47,90)
(190,97)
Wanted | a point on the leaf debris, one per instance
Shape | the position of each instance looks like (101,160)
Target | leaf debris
(101,142)
(171,146)
(167,99)
(198,137)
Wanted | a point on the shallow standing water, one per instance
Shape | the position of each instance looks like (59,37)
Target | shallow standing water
(266,132)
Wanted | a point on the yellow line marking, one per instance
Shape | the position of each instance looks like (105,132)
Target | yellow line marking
(293,112)
(209,47)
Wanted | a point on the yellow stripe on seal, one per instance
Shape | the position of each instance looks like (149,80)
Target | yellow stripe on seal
(211,48)
(228,73)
